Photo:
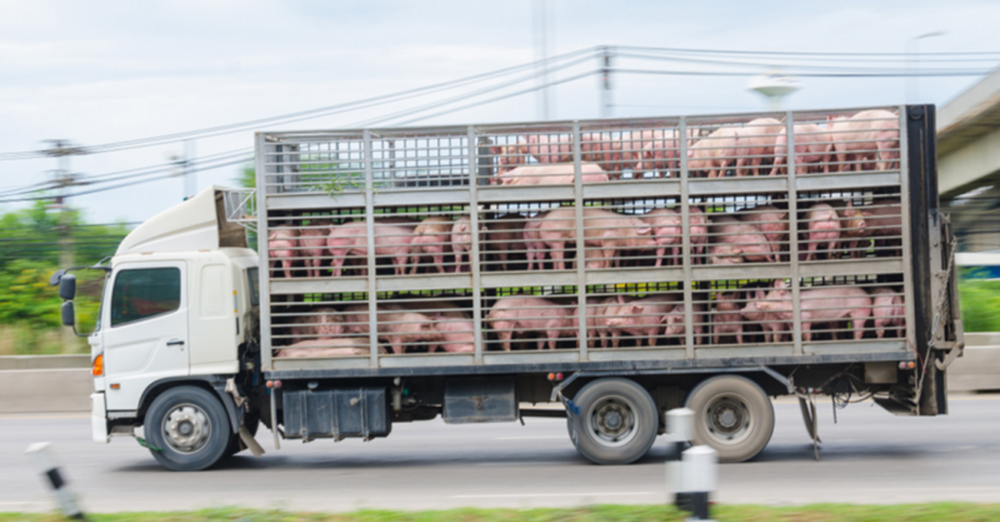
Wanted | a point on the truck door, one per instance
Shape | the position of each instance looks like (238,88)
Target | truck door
(147,329)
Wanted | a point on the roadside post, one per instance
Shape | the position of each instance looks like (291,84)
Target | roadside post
(41,453)
(691,473)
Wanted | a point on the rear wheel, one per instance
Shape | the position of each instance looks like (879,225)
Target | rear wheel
(187,428)
(732,415)
(617,421)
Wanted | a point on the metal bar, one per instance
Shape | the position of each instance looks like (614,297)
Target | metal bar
(370,231)
(581,268)
(687,255)
(474,254)
(904,211)
(793,233)
(264,264)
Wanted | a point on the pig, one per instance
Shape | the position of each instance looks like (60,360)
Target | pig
(401,328)
(698,231)
(824,228)
(675,322)
(759,311)
(319,323)
(812,146)
(887,309)
(884,225)
(528,313)
(457,335)
(606,152)
(771,221)
(665,228)
(282,244)
(435,309)
(727,318)
(713,153)
(508,157)
(853,227)
(868,137)
(335,347)
(461,243)
(608,231)
(641,317)
(820,305)
(547,149)
(560,174)
(356,319)
(431,236)
(391,240)
(597,316)
(732,238)
(312,239)
(534,246)
(504,235)
(755,142)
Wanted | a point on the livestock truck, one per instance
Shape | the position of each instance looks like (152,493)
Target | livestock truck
(403,274)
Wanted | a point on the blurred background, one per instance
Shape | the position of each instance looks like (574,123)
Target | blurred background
(111,112)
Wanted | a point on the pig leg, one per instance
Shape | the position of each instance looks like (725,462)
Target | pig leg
(414,264)
(553,338)
(396,342)
(504,332)
(739,334)
(858,320)
(557,256)
(503,259)
(806,333)
(287,264)
(652,333)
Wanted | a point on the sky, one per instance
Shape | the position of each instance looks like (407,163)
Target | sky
(105,71)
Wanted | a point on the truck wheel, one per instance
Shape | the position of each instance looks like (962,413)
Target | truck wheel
(252,422)
(617,422)
(188,427)
(732,415)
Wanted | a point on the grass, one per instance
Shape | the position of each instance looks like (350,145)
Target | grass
(937,512)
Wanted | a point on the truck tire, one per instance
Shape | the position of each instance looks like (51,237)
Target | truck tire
(616,423)
(252,422)
(187,428)
(732,415)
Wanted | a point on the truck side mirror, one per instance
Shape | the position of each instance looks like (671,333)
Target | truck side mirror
(67,287)
(68,313)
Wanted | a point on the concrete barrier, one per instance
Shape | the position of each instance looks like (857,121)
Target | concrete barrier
(979,367)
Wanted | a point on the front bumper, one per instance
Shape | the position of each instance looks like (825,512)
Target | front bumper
(98,418)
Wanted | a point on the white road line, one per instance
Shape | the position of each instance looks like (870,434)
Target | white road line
(534,437)
(42,417)
(547,495)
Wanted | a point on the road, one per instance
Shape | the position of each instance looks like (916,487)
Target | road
(868,457)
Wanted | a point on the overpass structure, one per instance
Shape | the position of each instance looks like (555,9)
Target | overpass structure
(968,130)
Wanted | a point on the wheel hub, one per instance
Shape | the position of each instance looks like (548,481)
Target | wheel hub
(612,421)
(186,428)
(728,418)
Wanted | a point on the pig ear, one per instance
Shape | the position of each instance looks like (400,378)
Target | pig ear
(690,153)
(637,309)
(496,150)
(780,283)
(642,230)
(761,295)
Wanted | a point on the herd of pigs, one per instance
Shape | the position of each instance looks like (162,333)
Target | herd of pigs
(650,320)
(830,229)
(868,140)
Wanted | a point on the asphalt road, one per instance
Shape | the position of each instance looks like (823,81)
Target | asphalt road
(868,457)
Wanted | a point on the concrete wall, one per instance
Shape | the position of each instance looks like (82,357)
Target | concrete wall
(62,383)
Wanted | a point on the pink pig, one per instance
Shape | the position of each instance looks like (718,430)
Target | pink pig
(313,242)
(824,228)
(713,153)
(820,305)
(888,309)
(282,245)
(727,319)
(642,317)
(755,143)
(666,231)
(431,236)
(528,313)
(812,146)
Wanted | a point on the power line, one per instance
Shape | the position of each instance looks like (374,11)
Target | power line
(804,75)
(802,53)
(302,115)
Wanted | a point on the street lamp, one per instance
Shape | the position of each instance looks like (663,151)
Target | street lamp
(913,66)
(775,86)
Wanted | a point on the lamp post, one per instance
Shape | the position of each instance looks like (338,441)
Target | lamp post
(913,66)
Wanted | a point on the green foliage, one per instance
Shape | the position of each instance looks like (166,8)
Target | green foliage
(247,177)
(980,303)
(31,243)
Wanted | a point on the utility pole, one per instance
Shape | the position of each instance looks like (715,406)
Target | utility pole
(605,82)
(542,55)
(62,150)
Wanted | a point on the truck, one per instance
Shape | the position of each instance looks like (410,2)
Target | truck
(401,274)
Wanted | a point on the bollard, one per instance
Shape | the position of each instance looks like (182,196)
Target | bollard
(699,468)
(680,431)
(42,455)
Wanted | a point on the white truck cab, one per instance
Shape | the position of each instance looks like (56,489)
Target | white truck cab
(179,300)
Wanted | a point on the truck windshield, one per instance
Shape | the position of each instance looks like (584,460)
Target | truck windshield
(143,293)
(253,282)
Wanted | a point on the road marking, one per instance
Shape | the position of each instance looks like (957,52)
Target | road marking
(533,437)
(546,495)
(44,417)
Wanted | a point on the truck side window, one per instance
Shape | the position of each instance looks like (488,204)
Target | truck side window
(143,293)
(254,282)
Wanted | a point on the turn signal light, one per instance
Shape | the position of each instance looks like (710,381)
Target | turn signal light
(97,368)
(907,365)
